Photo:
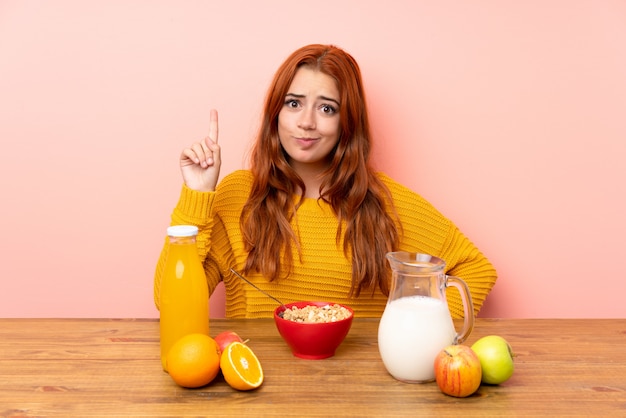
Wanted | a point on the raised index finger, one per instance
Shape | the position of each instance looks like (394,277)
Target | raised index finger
(213,129)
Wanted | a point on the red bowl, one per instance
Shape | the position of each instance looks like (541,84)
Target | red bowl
(312,341)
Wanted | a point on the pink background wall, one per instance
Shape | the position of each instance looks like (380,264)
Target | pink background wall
(508,115)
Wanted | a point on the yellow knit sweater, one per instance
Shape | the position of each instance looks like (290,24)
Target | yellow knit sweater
(323,273)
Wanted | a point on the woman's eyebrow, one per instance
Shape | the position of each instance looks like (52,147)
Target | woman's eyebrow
(330,99)
(302,96)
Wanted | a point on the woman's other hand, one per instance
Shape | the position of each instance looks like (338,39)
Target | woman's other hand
(200,163)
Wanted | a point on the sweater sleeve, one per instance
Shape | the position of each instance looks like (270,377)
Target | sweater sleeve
(464,260)
(428,231)
(193,208)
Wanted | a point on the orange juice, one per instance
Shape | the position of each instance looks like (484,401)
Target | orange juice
(184,307)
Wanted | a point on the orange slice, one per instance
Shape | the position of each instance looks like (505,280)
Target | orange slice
(241,367)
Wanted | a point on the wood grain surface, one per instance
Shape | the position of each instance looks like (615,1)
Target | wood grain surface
(111,367)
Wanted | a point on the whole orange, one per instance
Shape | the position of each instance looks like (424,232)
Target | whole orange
(194,360)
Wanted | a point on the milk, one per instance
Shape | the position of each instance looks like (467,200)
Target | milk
(412,331)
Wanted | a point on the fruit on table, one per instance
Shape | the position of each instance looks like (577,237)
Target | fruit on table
(458,371)
(194,360)
(225,338)
(496,359)
(241,367)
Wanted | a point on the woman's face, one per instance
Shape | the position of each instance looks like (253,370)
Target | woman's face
(308,123)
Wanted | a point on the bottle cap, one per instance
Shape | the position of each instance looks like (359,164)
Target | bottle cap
(182,231)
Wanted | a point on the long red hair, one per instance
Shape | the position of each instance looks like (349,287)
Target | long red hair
(357,196)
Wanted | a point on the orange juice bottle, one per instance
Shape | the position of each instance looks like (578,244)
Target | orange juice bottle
(184,307)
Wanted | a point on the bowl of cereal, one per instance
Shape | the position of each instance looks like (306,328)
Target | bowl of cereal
(313,330)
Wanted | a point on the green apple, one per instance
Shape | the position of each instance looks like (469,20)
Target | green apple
(496,359)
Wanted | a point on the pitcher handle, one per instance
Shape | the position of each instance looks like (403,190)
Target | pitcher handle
(468,306)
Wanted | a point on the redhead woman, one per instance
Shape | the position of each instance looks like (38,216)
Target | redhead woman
(311,219)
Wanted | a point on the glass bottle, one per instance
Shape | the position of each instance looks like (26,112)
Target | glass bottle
(184,307)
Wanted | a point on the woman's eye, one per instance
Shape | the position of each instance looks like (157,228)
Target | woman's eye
(291,103)
(328,109)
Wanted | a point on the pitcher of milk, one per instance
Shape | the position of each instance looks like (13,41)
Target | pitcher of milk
(416,323)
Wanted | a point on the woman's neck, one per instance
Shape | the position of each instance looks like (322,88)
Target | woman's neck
(312,178)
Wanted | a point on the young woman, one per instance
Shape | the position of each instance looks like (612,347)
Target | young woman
(311,219)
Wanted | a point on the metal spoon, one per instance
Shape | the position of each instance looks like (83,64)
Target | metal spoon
(260,290)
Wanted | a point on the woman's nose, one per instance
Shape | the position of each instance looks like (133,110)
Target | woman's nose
(307,119)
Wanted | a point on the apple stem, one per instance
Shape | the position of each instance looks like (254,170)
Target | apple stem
(246,341)
(511,353)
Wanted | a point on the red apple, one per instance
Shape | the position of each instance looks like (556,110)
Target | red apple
(225,338)
(457,371)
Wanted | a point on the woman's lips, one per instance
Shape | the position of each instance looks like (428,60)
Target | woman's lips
(306,141)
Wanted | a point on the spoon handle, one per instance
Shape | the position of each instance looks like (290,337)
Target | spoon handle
(257,288)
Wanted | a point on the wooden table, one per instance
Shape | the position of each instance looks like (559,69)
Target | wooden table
(108,367)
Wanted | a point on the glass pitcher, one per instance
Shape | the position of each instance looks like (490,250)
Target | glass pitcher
(416,323)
